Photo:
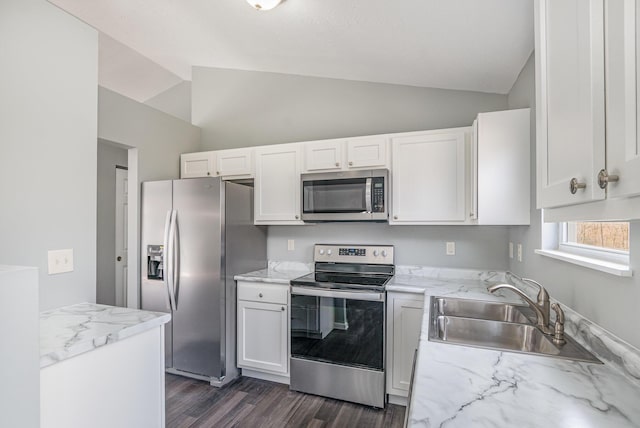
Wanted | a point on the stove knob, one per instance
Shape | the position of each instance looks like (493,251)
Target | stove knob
(321,252)
(375,253)
(384,253)
(329,252)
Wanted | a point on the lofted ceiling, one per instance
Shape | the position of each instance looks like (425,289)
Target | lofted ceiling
(478,45)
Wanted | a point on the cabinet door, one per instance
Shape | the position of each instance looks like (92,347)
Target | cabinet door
(570,100)
(406,324)
(622,96)
(323,155)
(200,164)
(429,177)
(367,152)
(235,163)
(277,184)
(262,336)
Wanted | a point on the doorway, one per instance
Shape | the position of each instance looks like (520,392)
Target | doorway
(112,224)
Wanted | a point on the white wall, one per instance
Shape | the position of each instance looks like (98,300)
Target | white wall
(175,101)
(247,108)
(109,156)
(48,112)
(607,300)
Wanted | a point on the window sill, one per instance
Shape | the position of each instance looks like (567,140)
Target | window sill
(590,263)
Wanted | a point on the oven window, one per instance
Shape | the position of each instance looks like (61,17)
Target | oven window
(339,331)
(335,196)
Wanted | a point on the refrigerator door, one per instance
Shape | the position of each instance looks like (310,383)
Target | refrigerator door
(155,213)
(197,329)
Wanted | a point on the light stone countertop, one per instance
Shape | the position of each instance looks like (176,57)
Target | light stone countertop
(73,330)
(277,273)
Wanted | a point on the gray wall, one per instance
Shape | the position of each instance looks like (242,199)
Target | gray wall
(483,247)
(608,300)
(109,155)
(175,101)
(159,137)
(48,114)
(248,108)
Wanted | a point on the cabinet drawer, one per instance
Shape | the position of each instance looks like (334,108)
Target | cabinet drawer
(261,292)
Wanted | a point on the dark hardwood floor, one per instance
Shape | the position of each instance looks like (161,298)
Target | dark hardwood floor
(257,403)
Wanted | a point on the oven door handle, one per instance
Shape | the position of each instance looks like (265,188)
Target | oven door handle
(341,294)
(367,196)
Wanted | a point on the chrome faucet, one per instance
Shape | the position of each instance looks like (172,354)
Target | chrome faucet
(541,308)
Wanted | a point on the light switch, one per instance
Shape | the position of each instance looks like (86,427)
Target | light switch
(510,250)
(291,244)
(451,248)
(60,261)
(519,252)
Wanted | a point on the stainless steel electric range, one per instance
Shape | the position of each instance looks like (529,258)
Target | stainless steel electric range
(338,324)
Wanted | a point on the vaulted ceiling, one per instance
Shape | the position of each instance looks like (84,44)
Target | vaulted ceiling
(478,45)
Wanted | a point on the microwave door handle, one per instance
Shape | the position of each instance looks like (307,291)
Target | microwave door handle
(367,195)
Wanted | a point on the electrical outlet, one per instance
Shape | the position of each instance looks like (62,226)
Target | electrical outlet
(510,250)
(60,261)
(451,248)
(291,244)
(519,252)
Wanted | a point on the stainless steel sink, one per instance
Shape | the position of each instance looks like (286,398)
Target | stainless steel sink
(501,335)
(482,310)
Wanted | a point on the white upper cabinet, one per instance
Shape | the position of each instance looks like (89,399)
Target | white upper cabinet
(277,184)
(502,140)
(323,155)
(346,154)
(570,115)
(429,177)
(235,163)
(622,96)
(200,164)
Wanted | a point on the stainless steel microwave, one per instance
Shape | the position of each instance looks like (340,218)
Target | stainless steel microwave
(345,196)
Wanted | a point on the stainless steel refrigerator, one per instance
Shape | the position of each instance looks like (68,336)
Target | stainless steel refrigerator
(196,235)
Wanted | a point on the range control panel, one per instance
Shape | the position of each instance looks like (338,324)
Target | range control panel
(373,254)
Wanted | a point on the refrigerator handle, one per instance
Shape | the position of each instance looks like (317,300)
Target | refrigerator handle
(176,260)
(172,257)
(167,260)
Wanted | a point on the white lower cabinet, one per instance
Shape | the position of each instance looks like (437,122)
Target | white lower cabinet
(263,332)
(404,323)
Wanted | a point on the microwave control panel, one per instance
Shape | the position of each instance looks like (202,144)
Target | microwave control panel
(377,184)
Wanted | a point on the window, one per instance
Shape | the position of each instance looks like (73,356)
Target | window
(602,240)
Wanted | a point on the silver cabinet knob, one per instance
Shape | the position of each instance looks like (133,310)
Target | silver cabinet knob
(297,217)
(604,178)
(282,307)
(260,295)
(350,163)
(208,173)
(395,217)
(574,185)
(217,172)
(337,163)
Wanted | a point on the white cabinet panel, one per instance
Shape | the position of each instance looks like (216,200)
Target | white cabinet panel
(429,177)
(367,152)
(262,336)
(570,100)
(235,163)
(277,184)
(200,164)
(622,96)
(323,155)
(503,167)
(404,323)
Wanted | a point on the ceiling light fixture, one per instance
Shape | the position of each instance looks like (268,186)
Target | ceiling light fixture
(264,4)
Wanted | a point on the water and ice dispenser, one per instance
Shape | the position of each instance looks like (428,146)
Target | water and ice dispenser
(155,262)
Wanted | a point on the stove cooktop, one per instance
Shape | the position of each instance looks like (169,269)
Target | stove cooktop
(337,280)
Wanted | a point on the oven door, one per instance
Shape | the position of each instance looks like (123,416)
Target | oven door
(341,327)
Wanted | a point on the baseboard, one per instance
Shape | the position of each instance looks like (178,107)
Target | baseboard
(397,400)
(266,376)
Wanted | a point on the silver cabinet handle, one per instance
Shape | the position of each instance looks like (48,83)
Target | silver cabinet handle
(574,185)
(604,178)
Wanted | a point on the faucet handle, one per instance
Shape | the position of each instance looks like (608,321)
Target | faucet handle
(543,295)
(558,331)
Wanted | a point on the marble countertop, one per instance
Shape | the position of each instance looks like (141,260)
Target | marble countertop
(459,386)
(73,330)
(277,273)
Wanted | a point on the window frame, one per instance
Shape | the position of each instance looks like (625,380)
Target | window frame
(590,251)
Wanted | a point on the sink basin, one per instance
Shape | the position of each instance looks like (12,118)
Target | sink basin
(495,311)
(499,334)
